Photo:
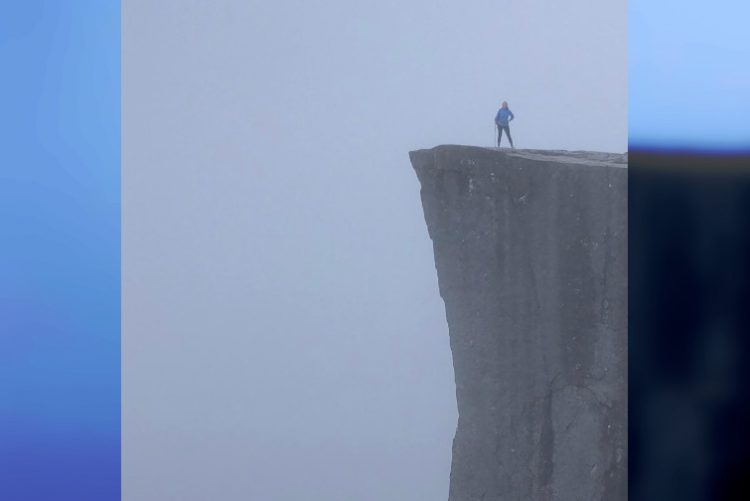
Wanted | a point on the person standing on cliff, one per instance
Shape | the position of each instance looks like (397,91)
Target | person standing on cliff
(502,120)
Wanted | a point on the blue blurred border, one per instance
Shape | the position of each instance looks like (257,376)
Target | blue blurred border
(688,77)
(60,250)
(689,242)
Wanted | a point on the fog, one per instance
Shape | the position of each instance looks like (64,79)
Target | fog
(283,335)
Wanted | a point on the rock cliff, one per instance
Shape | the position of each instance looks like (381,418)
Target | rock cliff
(531,255)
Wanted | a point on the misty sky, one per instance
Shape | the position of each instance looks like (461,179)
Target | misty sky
(283,336)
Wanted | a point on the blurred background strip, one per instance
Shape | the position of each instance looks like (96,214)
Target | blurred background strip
(689,250)
(60,250)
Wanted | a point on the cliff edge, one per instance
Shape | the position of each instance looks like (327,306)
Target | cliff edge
(531,255)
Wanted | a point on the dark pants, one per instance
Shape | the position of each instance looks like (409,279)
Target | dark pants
(500,129)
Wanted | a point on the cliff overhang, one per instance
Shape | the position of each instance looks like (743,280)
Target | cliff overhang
(531,254)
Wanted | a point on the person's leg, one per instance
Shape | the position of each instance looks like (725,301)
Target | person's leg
(500,130)
(507,132)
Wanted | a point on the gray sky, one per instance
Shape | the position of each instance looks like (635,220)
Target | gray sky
(283,336)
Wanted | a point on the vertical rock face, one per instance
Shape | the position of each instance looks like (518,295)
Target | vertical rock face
(531,254)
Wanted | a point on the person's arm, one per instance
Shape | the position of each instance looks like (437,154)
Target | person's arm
(511,115)
(497,117)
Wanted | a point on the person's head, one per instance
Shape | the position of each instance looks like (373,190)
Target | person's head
(505,104)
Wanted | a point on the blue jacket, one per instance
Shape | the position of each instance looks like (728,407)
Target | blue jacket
(504,115)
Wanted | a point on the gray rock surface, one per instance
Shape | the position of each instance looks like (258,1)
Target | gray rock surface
(531,254)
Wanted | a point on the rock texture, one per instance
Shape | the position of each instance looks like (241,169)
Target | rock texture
(531,254)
